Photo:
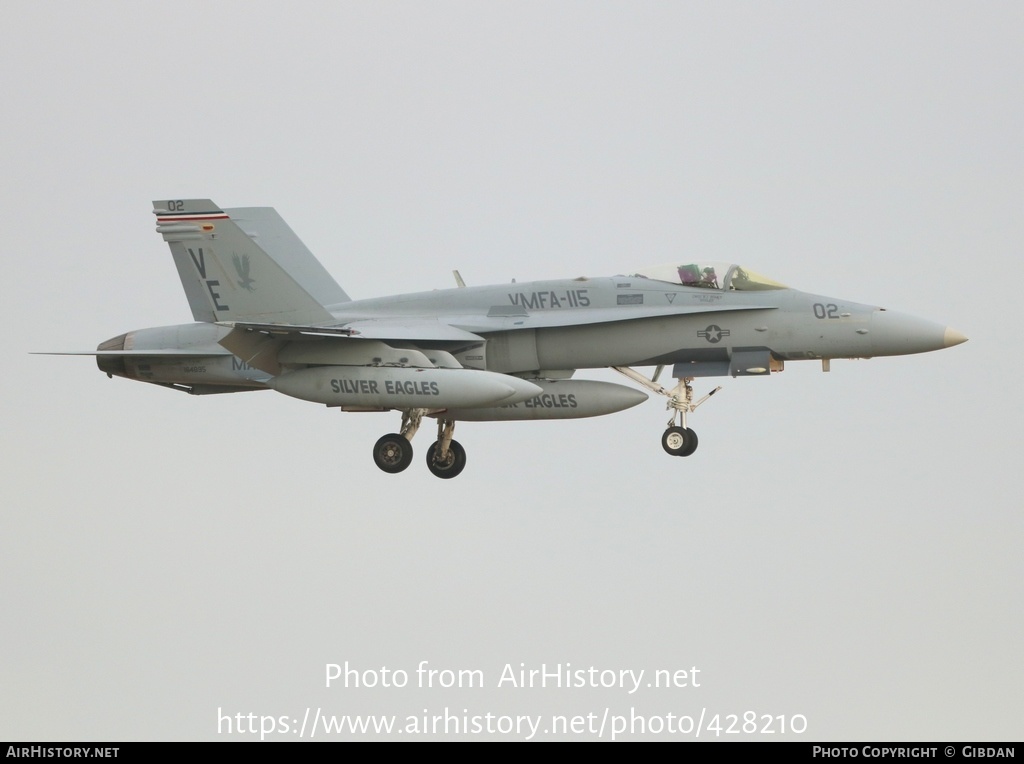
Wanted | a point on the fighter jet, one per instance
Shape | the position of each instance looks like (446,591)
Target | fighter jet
(268,316)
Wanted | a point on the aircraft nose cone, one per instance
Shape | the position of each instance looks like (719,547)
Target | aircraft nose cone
(953,337)
(896,333)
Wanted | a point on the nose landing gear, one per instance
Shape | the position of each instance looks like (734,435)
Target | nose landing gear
(678,439)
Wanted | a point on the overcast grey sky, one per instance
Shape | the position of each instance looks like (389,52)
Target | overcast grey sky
(845,547)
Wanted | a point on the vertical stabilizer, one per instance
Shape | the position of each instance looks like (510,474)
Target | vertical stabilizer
(226,274)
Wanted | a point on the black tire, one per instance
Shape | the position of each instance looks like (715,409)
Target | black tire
(392,453)
(679,441)
(454,464)
(691,443)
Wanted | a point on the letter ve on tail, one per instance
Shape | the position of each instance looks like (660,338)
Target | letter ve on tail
(226,275)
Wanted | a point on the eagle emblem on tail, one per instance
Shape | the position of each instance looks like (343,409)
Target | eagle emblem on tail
(242,266)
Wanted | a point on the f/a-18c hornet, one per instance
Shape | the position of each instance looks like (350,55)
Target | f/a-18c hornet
(269,316)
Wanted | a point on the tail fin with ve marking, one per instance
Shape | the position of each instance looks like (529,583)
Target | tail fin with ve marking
(244,265)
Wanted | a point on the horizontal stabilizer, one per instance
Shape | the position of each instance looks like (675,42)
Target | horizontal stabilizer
(167,352)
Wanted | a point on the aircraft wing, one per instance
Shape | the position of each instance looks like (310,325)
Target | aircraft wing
(409,329)
(507,317)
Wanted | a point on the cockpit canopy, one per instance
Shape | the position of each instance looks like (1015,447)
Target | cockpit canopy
(706,275)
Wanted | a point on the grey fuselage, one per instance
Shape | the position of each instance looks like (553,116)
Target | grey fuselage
(550,328)
(628,321)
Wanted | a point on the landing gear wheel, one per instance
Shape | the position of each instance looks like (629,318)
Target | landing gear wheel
(673,440)
(691,443)
(679,441)
(392,453)
(451,466)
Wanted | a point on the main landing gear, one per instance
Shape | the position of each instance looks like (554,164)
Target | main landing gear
(678,439)
(446,458)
